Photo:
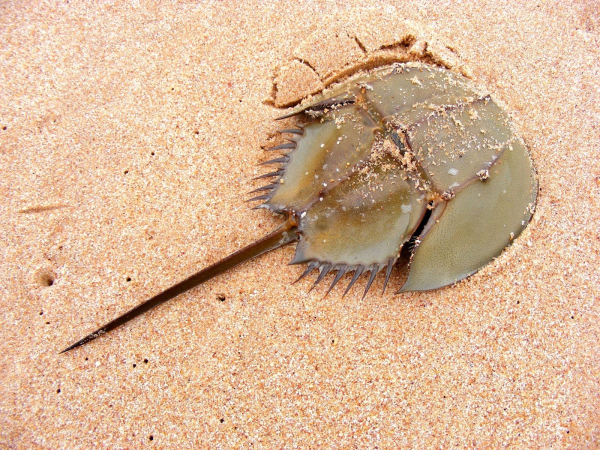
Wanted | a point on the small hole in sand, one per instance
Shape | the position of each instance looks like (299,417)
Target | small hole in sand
(4,128)
(222,420)
(58,391)
(45,278)
(221,297)
(151,438)
(128,279)
(152,153)
(134,365)
(126,172)
(146,361)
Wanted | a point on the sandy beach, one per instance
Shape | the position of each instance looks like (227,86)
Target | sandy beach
(129,136)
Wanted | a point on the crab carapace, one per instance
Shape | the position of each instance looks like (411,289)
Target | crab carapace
(403,152)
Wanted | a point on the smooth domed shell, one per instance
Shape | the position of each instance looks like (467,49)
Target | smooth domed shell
(479,222)
(453,150)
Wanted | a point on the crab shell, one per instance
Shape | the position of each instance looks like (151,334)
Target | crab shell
(407,153)
(404,148)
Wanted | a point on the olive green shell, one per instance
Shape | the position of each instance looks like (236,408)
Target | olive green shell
(407,153)
(381,152)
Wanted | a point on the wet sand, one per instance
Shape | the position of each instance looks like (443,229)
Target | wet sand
(128,139)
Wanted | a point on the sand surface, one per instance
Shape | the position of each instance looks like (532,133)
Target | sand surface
(129,134)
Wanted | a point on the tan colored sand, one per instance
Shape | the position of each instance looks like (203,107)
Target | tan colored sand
(128,136)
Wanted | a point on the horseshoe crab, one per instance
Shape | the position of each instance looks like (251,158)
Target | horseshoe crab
(408,152)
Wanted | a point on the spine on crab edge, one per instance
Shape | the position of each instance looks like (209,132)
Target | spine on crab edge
(278,238)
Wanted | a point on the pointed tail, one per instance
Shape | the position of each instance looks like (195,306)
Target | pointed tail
(278,238)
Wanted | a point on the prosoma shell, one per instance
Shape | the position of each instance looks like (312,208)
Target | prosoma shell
(400,149)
